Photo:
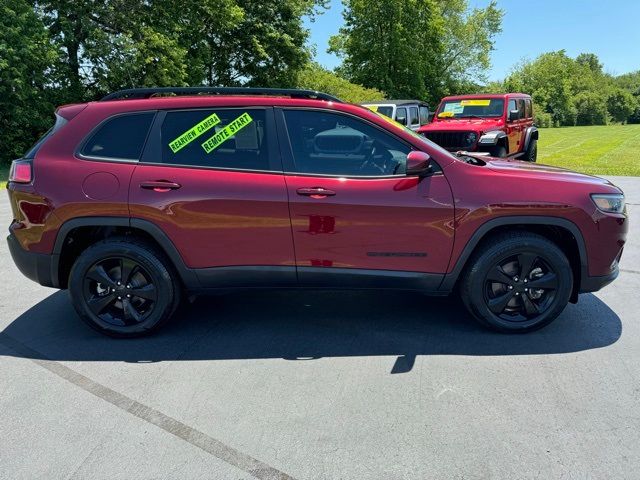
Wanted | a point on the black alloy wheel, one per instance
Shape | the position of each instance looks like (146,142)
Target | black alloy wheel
(520,287)
(119,291)
(124,287)
(517,282)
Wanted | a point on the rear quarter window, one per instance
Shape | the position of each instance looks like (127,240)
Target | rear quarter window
(119,138)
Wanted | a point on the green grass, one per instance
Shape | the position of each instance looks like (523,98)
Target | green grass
(597,150)
(4,174)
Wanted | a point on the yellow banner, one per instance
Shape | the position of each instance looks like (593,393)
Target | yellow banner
(483,102)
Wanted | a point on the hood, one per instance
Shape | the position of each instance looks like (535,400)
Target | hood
(464,124)
(520,168)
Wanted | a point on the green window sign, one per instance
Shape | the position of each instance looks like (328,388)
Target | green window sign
(227,132)
(194,132)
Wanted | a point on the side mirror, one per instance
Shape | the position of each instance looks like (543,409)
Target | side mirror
(402,120)
(418,163)
(514,115)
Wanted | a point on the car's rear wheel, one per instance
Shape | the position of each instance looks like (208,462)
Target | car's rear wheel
(518,282)
(500,151)
(123,288)
(531,154)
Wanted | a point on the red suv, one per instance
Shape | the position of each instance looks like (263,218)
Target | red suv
(135,200)
(501,125)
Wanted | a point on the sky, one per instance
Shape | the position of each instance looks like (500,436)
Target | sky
(608,28)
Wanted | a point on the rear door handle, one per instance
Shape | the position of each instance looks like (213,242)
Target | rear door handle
(315,192)
(160,185)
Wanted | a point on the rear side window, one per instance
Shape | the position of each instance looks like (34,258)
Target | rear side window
(528,106)
(424,115)
(223,138)
(401,115)
(120,138)
(413,115)
(521,108)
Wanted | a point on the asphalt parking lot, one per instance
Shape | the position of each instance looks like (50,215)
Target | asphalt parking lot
(322,385)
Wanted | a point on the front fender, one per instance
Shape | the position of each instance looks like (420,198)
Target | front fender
(491,138)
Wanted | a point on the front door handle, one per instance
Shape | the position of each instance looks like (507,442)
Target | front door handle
(315,192)
(160,186)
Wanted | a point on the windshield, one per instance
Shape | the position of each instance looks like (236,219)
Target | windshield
(414,134)
(475,107)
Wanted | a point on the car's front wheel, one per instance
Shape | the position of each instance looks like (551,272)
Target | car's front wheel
(499,151)
(123,288)
(517,282)
(531,154)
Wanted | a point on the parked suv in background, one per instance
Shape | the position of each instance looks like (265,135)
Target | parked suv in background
(132,201)
(410,113)
(501,125)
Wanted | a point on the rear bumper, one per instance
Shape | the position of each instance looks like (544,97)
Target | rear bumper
(593,284)
(35,266)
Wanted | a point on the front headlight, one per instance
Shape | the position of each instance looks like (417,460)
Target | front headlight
(609,202)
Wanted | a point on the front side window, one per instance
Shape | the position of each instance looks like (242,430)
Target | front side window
(334,144)
(223,138)
(119,138)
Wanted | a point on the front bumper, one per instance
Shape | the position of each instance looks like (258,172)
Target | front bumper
(35,266)
(593,284)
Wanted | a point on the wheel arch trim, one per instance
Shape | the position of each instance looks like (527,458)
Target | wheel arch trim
(517,220)
(187,275)
(531,133)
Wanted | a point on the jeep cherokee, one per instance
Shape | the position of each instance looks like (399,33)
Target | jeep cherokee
(132,201)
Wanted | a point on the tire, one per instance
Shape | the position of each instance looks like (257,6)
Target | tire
(500,151)
(123,307)
(531,155)
(494,292)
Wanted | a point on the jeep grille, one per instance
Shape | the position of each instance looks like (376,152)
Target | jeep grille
(450,140)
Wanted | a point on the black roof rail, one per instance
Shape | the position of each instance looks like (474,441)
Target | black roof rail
(142,93)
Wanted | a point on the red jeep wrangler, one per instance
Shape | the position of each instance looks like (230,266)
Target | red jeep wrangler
(501,125)
(132,201)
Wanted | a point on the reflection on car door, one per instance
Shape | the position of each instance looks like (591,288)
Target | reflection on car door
(352,206)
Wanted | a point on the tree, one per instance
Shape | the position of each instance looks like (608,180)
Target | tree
(591,109)
(317,78)
(551,81)
(620,104)
(415,48)
(26,107)
(468,42)
(113,44)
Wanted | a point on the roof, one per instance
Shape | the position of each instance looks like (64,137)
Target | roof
(159,92)
(486,95)
(395,102)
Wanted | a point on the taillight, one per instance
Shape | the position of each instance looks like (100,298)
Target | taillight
(21,171)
